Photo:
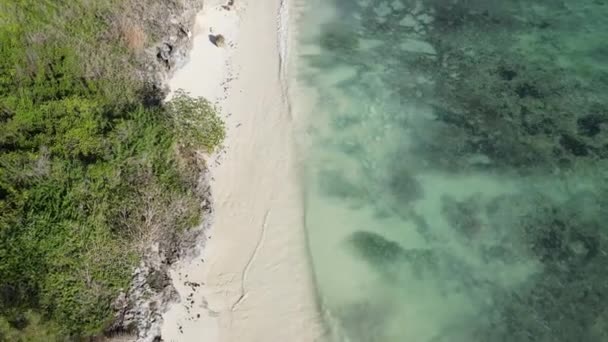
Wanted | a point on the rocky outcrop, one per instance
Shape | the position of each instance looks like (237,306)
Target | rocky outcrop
(168,30)
(139,309)
(168,26)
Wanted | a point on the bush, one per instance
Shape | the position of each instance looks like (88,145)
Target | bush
(196,121)
(90,170)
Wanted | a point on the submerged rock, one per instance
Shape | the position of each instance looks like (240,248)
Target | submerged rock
(364,321)
(339,39)
(390,258)
(376,249)
(463,216)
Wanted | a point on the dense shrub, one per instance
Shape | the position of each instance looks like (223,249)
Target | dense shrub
(88,173)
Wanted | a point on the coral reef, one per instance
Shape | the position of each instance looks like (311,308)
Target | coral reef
(515,92)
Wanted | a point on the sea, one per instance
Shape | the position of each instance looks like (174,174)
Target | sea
(455,167)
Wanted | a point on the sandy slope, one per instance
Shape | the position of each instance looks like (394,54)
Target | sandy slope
(256,282)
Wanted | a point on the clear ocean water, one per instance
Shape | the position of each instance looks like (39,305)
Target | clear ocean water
(456,168)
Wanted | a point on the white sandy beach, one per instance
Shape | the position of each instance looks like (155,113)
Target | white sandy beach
(255,276)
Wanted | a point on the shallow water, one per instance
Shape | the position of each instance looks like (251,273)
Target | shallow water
(456,168)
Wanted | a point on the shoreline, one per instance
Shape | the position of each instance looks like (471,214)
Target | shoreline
(253,279)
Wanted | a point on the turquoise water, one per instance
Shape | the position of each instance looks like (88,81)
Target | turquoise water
(456,168)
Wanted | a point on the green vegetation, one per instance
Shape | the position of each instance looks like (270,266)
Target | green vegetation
(195,121)
(92,167)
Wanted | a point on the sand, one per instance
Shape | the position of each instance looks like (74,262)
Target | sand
(255,274)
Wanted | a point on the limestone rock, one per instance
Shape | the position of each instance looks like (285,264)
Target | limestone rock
(217,40)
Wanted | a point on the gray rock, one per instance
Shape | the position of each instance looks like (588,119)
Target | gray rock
(139,308)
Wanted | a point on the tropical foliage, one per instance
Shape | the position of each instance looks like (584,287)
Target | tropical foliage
(90,169)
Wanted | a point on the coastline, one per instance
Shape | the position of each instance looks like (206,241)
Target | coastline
(252,280)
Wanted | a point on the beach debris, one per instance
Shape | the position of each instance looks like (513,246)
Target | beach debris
(192,285)
(217,40)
